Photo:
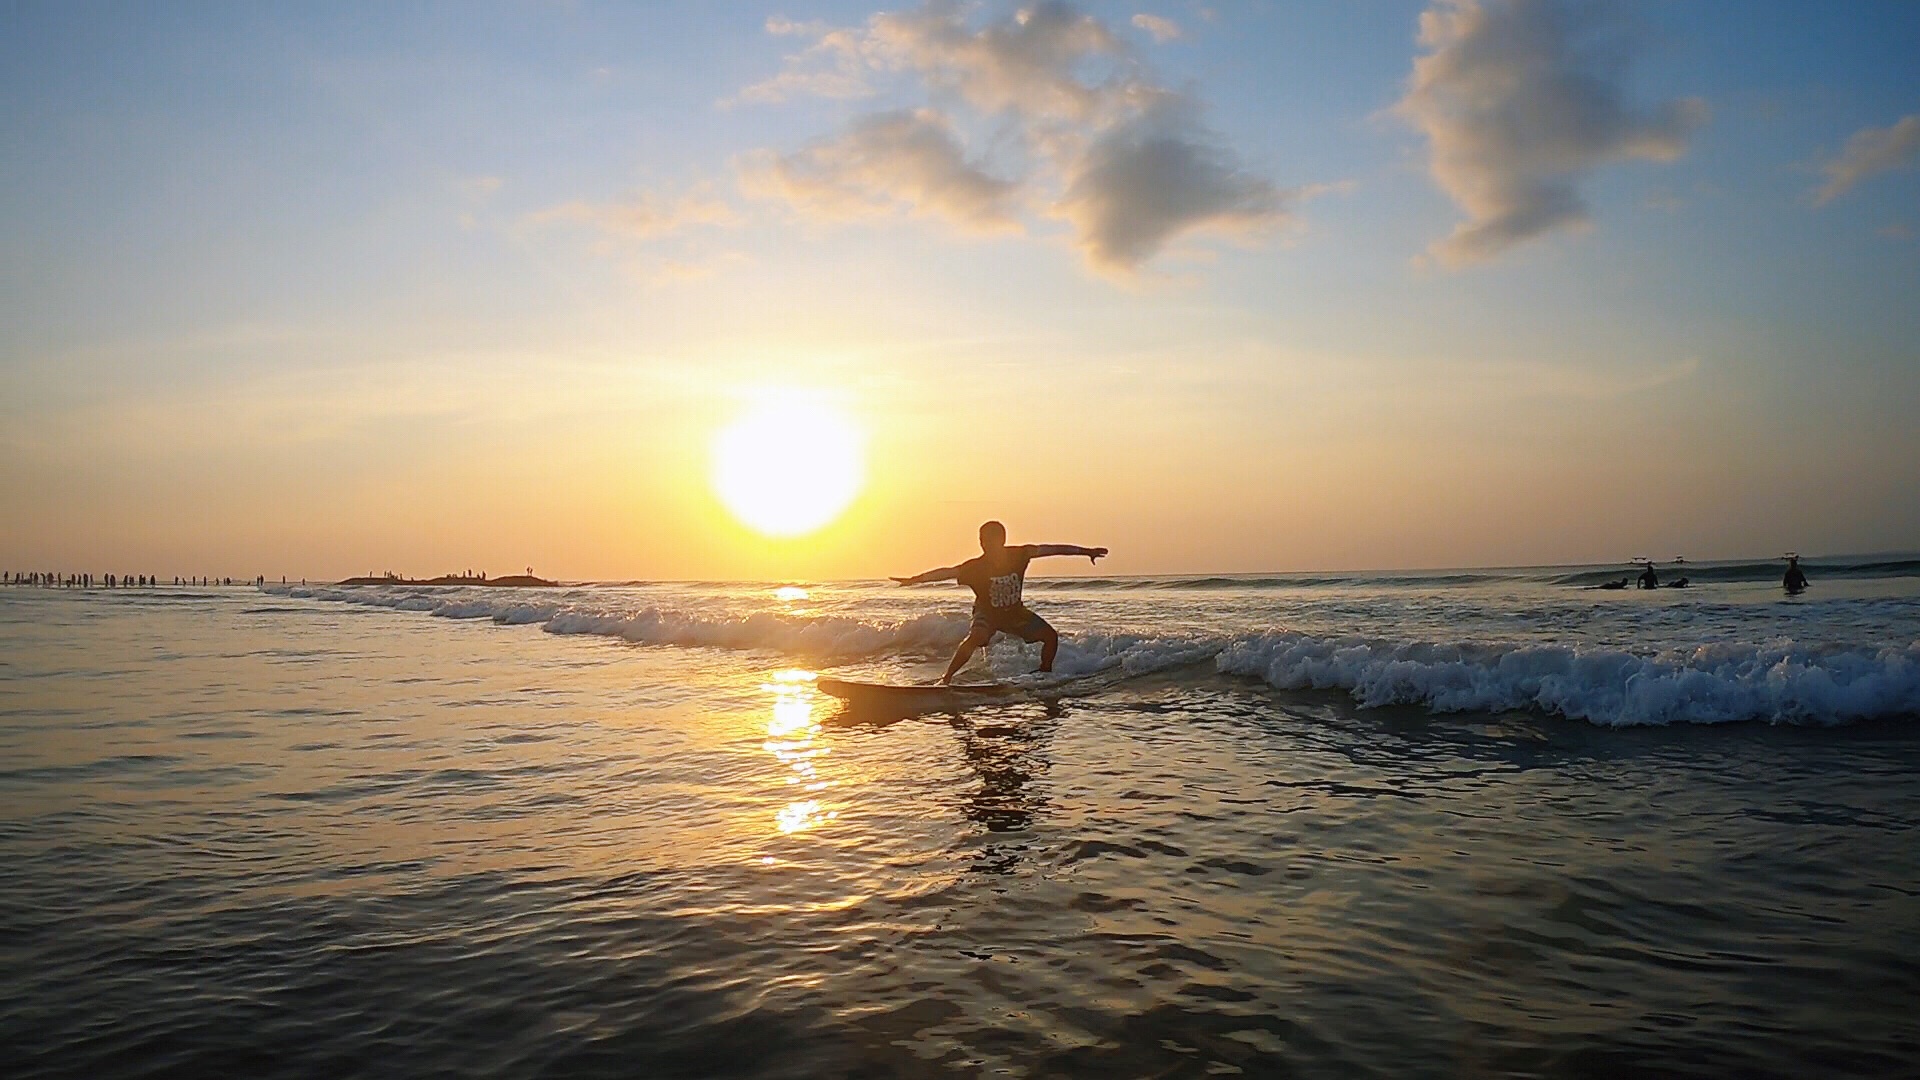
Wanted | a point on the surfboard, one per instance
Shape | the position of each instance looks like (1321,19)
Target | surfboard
(927,697)
(922,696)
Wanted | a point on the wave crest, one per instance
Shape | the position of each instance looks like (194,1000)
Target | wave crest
(1776,682)
(1708,684)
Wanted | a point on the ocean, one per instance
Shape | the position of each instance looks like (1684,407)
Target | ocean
(1475,823)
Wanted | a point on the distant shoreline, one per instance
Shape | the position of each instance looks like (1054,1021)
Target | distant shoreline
(512,581)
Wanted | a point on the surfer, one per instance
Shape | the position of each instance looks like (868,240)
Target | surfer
(1649,579)
(996,577)
(1796,580)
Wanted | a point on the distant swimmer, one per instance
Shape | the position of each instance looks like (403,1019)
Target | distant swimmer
(997,577)
(1649,579)
(1795,581)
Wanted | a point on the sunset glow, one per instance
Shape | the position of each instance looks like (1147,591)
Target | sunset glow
(788,465)
(716,291)
(595,539)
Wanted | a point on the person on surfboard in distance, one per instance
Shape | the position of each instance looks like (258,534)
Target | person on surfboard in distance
(996,578)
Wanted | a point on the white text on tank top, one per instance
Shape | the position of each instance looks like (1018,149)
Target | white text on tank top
(1004,591)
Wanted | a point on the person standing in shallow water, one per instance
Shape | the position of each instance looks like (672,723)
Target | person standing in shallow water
(1796,580)
(997,576)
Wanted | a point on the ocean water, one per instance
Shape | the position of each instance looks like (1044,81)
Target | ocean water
(1488,823)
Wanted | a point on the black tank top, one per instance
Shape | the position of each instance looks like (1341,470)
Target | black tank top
(995,588)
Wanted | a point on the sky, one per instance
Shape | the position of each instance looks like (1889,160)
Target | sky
(317,290)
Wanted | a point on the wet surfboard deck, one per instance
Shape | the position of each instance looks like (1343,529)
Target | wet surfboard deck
(926,696)
(929,697)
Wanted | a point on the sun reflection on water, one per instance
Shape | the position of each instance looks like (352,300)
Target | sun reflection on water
(790,593)
(792,738)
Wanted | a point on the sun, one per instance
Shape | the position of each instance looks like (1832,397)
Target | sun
(788,465)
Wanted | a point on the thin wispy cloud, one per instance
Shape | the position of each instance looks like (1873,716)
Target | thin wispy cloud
(1520,100)
(1080,130)
(1869,152)
(677,271)
(475,192)
(903,161)
(1162,30)
(831,67)
(643,215)
(658,238)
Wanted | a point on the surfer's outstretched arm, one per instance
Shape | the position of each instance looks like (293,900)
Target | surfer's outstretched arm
(1093,554)
(944,573)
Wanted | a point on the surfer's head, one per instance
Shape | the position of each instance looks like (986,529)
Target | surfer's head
(993,536)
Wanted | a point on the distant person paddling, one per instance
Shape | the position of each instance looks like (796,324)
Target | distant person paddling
(996,578)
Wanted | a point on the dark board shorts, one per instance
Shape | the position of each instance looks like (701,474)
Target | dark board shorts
(1020,622)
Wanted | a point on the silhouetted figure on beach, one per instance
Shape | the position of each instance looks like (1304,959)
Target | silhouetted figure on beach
(1796,580)
(1649,579)
(997,577)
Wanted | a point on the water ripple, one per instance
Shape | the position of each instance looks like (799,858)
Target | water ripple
(507,855)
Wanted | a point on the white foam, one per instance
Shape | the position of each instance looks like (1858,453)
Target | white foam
(1707,684)
(813,636)
(1777,681)
(1132,654)
(524,614)
(464,609)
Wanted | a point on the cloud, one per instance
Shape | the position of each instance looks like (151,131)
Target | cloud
(1158,175)
(882,163)
(780,25)
(1028,64)
(1080,123)
(475,191)
(674,271)
(831,67)
(644,215)
(1519,101)
(640,230)
(1869,151)
(1163,30)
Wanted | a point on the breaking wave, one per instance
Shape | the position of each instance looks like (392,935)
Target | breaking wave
(1705,685)
(1779,682)
(813,636)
